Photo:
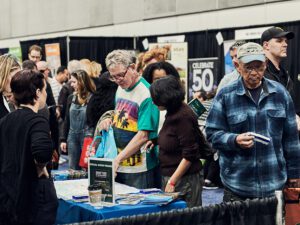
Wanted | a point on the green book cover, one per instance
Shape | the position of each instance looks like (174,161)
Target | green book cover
(197,107)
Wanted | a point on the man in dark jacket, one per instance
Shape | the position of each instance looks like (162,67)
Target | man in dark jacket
(275,41)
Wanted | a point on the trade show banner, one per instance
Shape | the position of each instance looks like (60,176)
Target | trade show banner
(177,55)
(229,67)
(202,75)
(16,51)
(53,56)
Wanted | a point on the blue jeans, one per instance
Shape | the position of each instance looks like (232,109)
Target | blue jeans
(138,180)
(75,143)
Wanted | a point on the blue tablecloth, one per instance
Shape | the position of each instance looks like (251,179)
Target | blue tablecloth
(72,212)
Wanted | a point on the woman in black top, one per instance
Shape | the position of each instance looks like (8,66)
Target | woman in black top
(9,65)
(27,193)
(179,141)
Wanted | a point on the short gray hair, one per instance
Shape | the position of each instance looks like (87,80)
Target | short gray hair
(119,56)
(73,65)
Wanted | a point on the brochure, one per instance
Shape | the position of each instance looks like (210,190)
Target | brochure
(102,171)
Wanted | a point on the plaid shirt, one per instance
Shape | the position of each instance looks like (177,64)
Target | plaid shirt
(259,171)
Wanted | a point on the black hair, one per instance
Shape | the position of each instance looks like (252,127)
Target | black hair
(29,65)
(167,92)
(61,69)
(24,85)
(167,67)
(102,100)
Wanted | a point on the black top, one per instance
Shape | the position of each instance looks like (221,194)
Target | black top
(102,100)
(64,93)
(24,136)
(180,138)
(255,93)
(280,76)
(3,109)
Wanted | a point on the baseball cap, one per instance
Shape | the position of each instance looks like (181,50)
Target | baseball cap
(251,52)
(275,32)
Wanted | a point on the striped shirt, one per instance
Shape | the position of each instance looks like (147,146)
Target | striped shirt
(56,87)
(259,171)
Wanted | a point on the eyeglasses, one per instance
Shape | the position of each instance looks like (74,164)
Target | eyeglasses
(119,76)
(258,69)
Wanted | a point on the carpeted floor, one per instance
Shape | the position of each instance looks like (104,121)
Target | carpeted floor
(212,196)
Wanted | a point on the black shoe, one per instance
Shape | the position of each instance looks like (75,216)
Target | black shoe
(210,186)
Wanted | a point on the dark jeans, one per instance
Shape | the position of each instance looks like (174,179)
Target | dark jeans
(212,171)
(229,196)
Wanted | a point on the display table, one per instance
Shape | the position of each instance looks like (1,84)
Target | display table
(74,212)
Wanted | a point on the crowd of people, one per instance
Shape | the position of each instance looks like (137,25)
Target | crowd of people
(158,138)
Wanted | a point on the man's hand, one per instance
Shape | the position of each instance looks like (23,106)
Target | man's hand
(245,140)
(116,164)
(169,188)
(105,124)
(148,146)
(63,146)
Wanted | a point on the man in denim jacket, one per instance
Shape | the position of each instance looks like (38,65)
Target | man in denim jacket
(250,168)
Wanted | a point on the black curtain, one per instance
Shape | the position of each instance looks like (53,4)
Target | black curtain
(203,44)
(25,45)
(97,48)
(249,212)
(3,51)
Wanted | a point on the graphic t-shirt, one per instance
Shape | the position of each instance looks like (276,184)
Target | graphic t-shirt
(135,112)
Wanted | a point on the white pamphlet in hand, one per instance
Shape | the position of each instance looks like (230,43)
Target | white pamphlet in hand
(260,138)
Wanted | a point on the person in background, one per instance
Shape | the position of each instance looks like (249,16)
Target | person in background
(275,42)
(134,122)
(96,72)
(156,71)
(67,89)
(29,65)
(249,168)
(139,63)
(179,141)
(62,76)
(9,66)
(96,69)
(27,191)
(102,100)
(49,110)
(75,125)
(86,65)
(234,75)
(35,53)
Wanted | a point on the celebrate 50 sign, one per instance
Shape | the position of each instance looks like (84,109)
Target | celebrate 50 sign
(202,75)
